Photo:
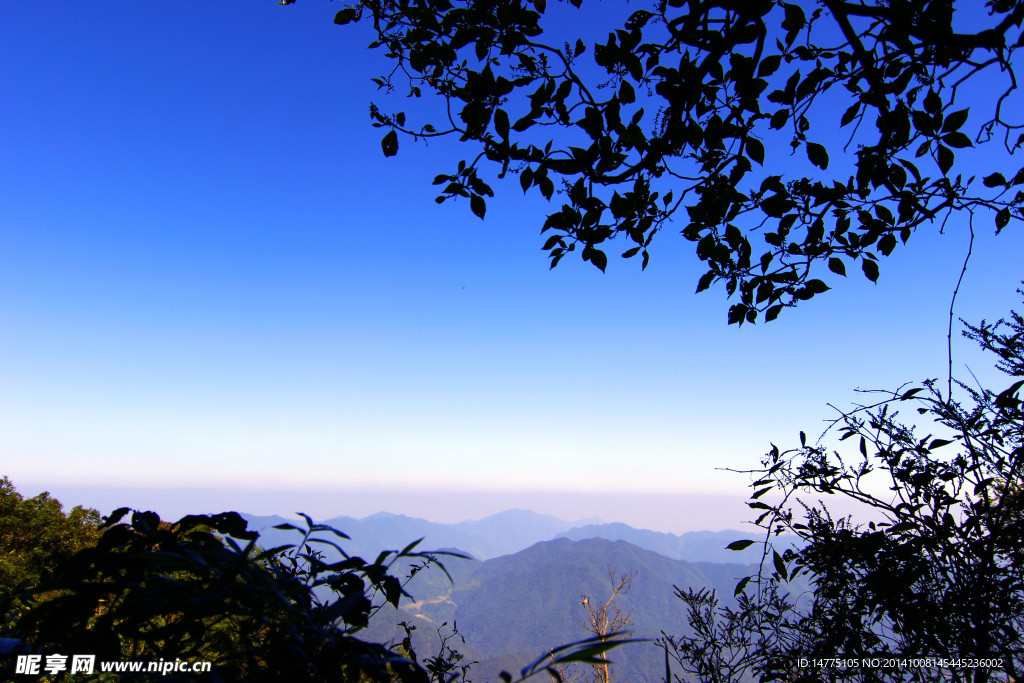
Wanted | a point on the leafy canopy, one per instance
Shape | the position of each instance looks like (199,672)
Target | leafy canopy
(722,117)
(36,533)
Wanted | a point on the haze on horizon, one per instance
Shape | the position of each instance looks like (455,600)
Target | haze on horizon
(671,513)
(214,288)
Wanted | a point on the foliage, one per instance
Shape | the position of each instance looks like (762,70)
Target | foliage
(449,664)
(591,651)
(151,590)
(728,644)
(36,533)
(702,111)
(938,573)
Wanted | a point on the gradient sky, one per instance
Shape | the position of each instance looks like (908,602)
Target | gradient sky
(214,288)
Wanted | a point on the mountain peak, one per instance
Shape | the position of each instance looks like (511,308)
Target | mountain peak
(384,515)
(518,514)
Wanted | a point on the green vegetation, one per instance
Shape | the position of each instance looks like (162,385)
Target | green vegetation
(152,590)
(936,574)
(680,116)
(200,589)
(36,534)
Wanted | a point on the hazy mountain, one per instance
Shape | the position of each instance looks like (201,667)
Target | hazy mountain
(525,597)
(694,546)
(512,530)
(499,534)
(509,532)
(512,608)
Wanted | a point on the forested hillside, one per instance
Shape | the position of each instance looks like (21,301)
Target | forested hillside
(511,608)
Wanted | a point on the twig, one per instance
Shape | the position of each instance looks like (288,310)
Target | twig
(952,302)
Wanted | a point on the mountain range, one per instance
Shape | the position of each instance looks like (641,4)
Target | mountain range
(513,608)
(509,532)
(522,595)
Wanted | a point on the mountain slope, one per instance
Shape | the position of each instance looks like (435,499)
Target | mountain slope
(693,546)
(513,608)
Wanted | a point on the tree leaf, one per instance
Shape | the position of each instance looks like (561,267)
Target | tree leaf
(957,139)
(526,178)
(739,545)
(1002,218)
(705,281)
(347,15)
(817,154)
(817,286)
(850,114)
(945,158)
(626,92)
(955,120)
(501,123)
(994,180)
(887,244)
(478,205)
(870,269)
(769,65)
(390,143)
(524,123)
(780,565)
(755,150)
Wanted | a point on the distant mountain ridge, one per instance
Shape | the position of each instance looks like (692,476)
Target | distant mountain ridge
(693,546)
(509,532)
(499,534)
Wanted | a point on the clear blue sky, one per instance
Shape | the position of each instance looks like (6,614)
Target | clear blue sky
(214,288)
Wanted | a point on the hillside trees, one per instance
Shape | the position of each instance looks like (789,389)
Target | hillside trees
(152,590)
(201,590)
(933,572)
(36,533)
(720,117)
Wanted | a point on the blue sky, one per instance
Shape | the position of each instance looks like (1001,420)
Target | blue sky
(214,288)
